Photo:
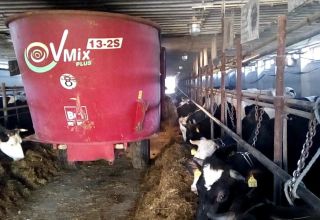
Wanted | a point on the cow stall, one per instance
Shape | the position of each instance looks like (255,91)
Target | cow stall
(202,84)
(14,111)
(94,88)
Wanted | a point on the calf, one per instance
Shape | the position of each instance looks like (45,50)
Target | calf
(198,125)
(10,143)
(205,148)
(296,137)
(231,181)
(297,128)
(264,142)
(185,108)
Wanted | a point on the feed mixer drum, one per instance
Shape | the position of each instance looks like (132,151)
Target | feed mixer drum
(92,79)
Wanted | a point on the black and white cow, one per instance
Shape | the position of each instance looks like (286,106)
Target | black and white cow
(297,128)
(195,124)
(10,143)
(227,191)
(288,93)
(223,184)
(205,148)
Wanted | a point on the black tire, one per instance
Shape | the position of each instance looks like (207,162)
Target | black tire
(63,160)
(140,154)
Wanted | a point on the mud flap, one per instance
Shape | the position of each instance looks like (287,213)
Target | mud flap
(140,154)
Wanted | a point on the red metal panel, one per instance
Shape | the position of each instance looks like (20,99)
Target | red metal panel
(83,71)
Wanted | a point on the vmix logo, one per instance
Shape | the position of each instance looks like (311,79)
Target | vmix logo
(37,53)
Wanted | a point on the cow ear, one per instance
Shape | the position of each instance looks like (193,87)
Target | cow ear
(196,142)
(18,130)
(248,109)
(236,175)
(4,137)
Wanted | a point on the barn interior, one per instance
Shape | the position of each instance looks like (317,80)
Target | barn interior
(202,40)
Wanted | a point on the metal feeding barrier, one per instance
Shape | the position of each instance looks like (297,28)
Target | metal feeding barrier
(11,93)
(302,191)
(195,88)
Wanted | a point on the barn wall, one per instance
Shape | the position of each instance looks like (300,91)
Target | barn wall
(10,80)
(310,79)
(266,79)
(292,78)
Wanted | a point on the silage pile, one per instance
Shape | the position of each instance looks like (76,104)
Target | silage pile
(18,178)
(166,187)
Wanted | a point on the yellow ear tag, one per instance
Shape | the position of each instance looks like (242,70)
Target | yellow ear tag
(193,151)
(252,182)
(197,173)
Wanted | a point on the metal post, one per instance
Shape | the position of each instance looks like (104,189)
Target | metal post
(239,86)
(200,85)
(222,88)
(194,91)
(15,104)
(223,71)
(279,102)
(188,87)
(206,87)
(285,144)
(212,104)
(4,104)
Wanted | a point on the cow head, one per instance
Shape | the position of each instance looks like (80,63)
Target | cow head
(182,125)
(219,185)
(205,148)
(10,143)
(222,186)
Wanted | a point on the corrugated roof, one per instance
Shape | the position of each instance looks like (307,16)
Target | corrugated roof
(174,17)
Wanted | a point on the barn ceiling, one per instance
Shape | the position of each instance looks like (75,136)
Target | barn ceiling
(175,16)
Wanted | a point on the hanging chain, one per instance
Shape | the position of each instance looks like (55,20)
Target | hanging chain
(258,117)
(231,114)
(256,108)
(256,132)
(214,105)
(304,153)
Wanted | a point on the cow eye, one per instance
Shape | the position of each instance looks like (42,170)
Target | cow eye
(221,196)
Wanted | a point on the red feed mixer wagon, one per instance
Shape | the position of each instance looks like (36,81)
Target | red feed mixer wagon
(92,79)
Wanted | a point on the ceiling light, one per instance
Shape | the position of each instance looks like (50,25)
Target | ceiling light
(184,57)
(195,29)
(180,67)
(195,26)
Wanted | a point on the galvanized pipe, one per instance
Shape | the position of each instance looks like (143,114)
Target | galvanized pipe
(4,103)
(270,99)
(288,110)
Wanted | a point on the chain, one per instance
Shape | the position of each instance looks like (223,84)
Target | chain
(256,108)
(304,153)
(258,117)
(231,114)
(214,105)
(256,132)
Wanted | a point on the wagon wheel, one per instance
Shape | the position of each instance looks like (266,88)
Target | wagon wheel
(140,153)
(63,160)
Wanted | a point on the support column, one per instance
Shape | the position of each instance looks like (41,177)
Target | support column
(279,102)
(239,86)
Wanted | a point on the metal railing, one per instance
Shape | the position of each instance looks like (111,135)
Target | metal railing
(196,88)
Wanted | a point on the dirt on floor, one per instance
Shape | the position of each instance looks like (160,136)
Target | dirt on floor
(41,187)
(93,190)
